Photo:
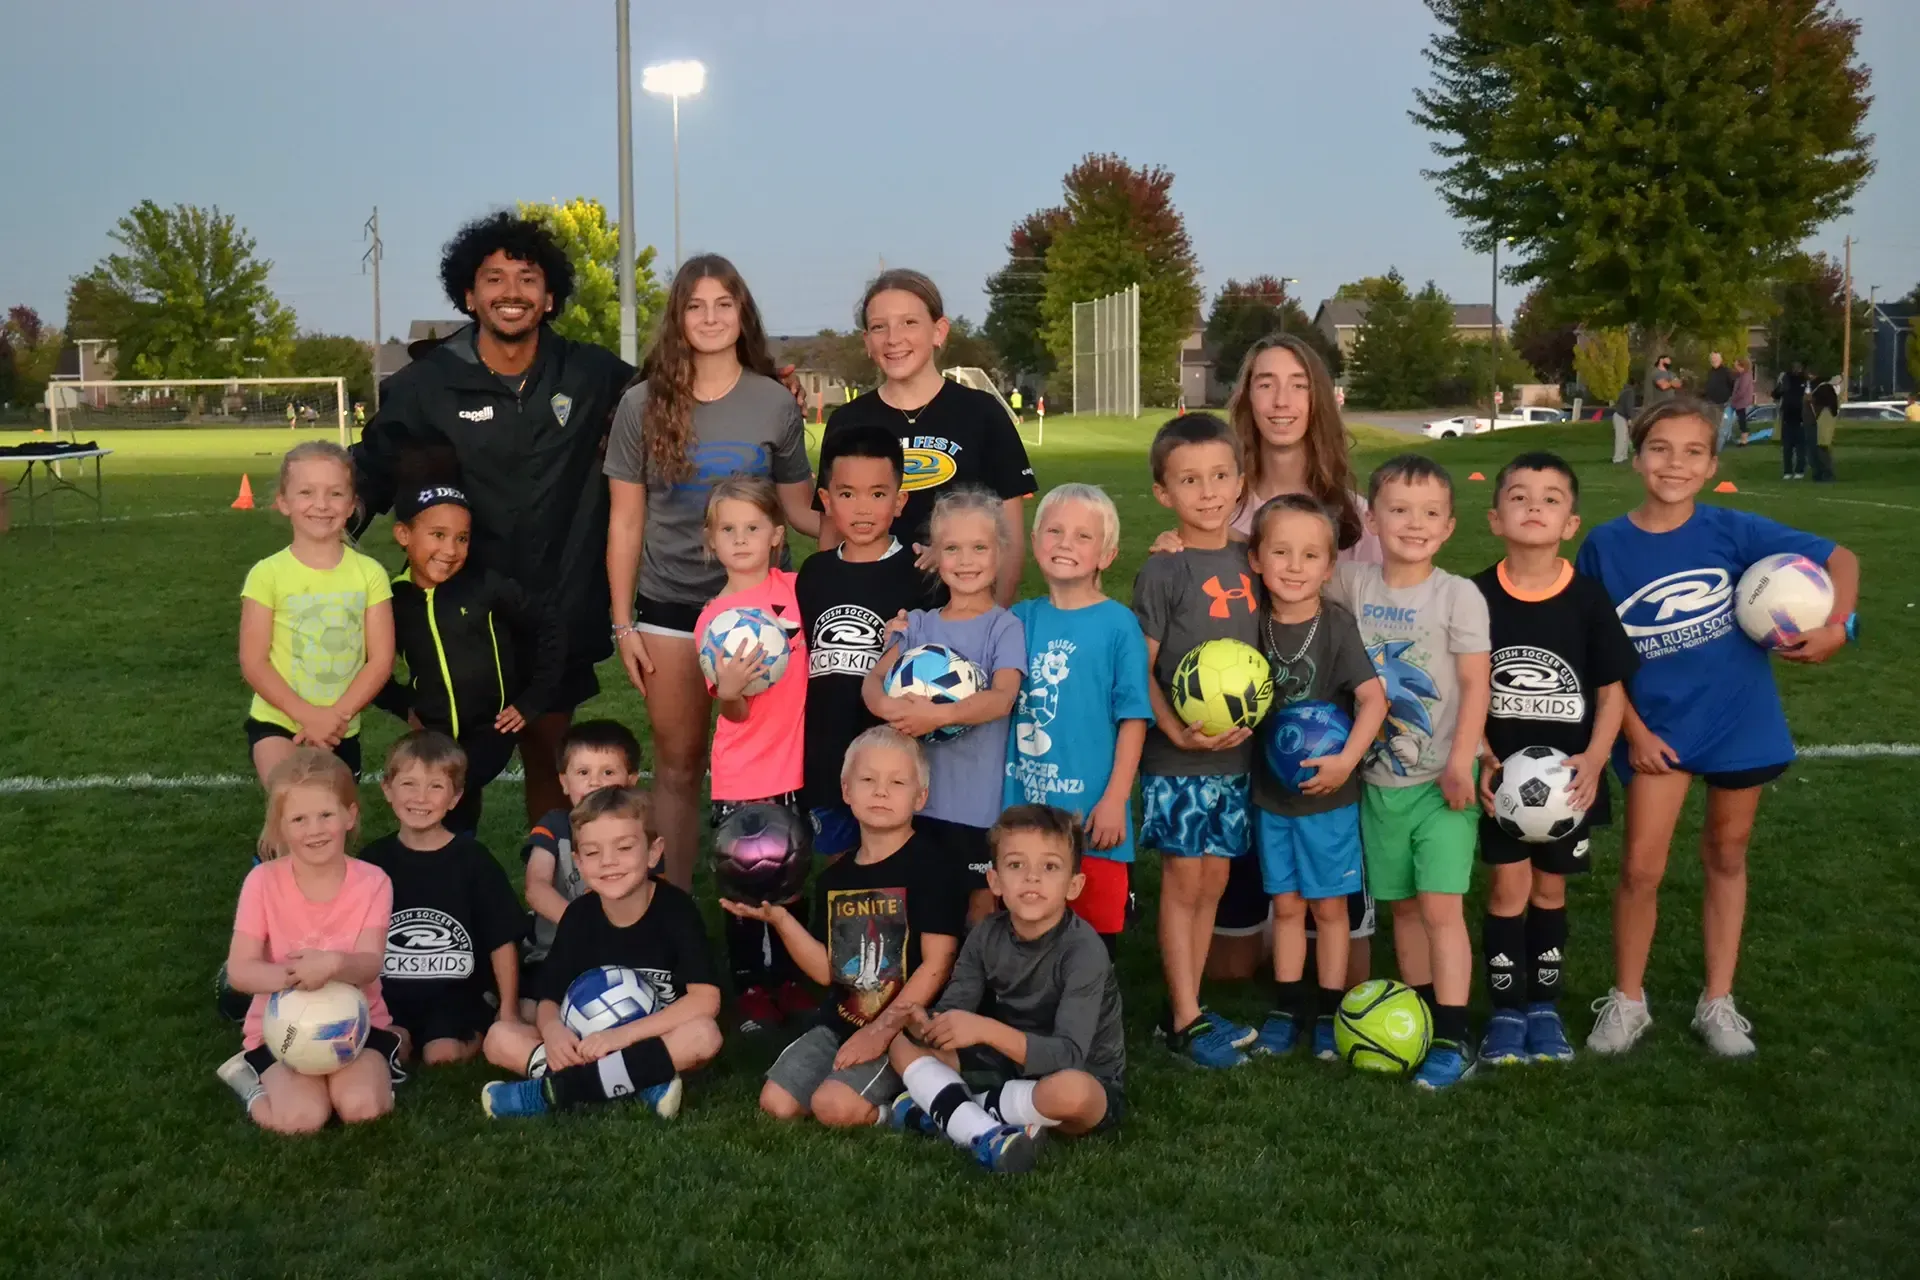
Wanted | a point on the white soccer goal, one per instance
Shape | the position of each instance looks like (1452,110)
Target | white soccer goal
(78,406)
(1106,354)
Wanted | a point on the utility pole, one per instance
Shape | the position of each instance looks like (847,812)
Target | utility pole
(1846,333)
(372,258)
(1493,342)
(629,293)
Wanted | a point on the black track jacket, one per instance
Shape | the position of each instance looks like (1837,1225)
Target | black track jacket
(464,665)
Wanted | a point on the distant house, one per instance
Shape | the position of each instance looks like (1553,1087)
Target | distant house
(391,356)
(1199,384)
(823,388)
(1340,320)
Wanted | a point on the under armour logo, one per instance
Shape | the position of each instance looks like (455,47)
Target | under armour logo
(1220,608)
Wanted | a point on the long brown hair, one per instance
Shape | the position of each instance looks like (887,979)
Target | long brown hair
(1329,472)
(666,424)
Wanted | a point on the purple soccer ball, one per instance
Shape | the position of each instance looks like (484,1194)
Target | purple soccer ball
(760,854)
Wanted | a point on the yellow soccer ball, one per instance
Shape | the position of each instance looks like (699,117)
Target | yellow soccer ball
(1222,684)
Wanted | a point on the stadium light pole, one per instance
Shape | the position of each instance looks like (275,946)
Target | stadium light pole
(629,293)
(1284,282)
(675,80)
(1493,337)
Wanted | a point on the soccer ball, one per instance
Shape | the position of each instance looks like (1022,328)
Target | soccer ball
(1222,684)
(604,998)
(316,1032)
(1780,597)
(760,853)
(1302,731)
(1532,802)
(1383,1026)
(937,672)
(733,630)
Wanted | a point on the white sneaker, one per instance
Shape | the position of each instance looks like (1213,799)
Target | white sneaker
(1620,1025)
(238,1075)
(1717,1022)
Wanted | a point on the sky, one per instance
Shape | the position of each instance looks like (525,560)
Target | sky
(831,136)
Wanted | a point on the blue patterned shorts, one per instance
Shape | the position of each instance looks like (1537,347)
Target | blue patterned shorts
(1193,817)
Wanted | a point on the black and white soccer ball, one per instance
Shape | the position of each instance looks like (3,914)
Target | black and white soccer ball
(1533,803)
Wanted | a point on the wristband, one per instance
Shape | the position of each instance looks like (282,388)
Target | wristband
(1853,628)
(624,629)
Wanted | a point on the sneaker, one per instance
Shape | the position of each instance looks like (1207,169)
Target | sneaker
(663,1099)
(238,1075)
(1447,1064)
(1276,1036)
(1505,1042)
(906,1115)
(1238,1032)
(1324,1047)
(1007,1149)
(1205,1045)
(793,999)
(1718,1023)
(758,1010)
(502,1098)
(1620,1025)
(1547,1035)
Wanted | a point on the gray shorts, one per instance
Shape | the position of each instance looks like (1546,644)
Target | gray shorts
(807,1063)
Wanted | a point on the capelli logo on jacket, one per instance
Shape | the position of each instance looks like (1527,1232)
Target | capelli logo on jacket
(482,414)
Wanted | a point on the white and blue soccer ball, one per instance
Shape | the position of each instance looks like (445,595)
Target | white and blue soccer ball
(1780,597)
(608,997)
(938,673)
(1532,803)
(734,630)
(316,1032)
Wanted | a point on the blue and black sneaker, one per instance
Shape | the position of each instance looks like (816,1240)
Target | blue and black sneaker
(1205,1045)
(1323,1046)
(1505,1042)
(1448,1063)
(1277,1036)
(1007,1149)
(1239,1033)
(1547,1035)
(663,1099)
(503,1098)
(907,1116)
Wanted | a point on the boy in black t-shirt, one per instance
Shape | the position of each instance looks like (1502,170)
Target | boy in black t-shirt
(454,918)
(633,921)
(847,596)
(887,922)
(1560,663)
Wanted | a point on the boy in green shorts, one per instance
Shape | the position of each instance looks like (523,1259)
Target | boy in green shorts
(1427,633)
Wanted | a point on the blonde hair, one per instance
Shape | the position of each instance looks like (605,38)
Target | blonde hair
(970,500)
(887,738)
(901,280)
(316,451)
(313,767)
(614,802)
(757,490)
(1094,496)
(430,750)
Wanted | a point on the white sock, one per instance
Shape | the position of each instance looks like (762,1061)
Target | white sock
(614,1080)
(927,1079)
(1016,1104)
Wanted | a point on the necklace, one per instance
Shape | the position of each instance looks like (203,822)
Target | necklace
(729,391)
(913,415)
(1273,644)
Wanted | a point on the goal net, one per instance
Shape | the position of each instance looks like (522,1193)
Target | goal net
(303,405)
(1106,354)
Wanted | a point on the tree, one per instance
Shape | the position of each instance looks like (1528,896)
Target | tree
(1359,290)
(1544,337)
(1121,229)
(1244,313)
(185,298)
(1600,359)
(592,245)
(333,355)
(1405,354)
(840,355)
(1809,314)
(1654,162)
(967,345)
(29,353)
(1475,376)
(1014,292)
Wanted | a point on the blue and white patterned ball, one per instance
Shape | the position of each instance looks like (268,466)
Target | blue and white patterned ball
(733,630)
(941,674)
(607,997)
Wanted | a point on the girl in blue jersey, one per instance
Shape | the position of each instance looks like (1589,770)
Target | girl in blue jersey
(1704,703)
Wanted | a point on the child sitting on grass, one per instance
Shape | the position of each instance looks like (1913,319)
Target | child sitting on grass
(452,966)
(635,921)
(1052,1055)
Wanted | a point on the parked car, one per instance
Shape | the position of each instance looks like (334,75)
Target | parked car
(1528,416)
(1451,428)
(1870,411)
(1763,415)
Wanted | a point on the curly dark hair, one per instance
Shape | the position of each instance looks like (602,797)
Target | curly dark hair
(522,239)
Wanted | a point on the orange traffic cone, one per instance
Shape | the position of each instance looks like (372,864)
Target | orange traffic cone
(245,501)
(1476,476)
(1725,486)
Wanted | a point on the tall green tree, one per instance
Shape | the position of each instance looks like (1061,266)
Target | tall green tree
(968,345)
(592,244)
(1245,312)
(1014,292)
(1358,290)
(334,355)
(29,352)
(185,297)
(1600,360)
(1655,162)
(1544,336)
(1405,354)
(1121,229)
(1809,317)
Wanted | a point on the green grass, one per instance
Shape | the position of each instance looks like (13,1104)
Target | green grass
(121,1154)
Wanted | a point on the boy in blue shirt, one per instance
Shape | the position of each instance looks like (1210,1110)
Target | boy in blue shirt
(1083,710)
(1704,703)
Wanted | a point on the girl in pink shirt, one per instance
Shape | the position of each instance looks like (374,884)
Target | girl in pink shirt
(310,915)
(759,740)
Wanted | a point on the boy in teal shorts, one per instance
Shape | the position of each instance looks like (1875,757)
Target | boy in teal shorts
(1427,633)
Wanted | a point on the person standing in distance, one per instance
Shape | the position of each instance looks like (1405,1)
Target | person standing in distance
(952,435)
(708,406)
(524,413)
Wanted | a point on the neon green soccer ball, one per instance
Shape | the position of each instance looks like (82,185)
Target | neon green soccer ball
(1383,1026)
(1223,684)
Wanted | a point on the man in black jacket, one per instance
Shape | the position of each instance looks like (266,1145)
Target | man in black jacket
(525,414)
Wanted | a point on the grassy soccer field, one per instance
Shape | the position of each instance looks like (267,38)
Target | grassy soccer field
(121,1154)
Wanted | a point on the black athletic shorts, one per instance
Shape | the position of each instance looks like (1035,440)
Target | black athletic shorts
(1741,779)
(260,730)
(1567,856)
(665,617)
(984,1069)
(443,1020)
(962,846)
(1245,906)
(380,1040)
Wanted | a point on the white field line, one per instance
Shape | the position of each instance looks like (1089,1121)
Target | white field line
(30,785)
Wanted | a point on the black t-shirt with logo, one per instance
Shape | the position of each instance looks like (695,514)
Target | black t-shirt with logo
(667,945)
(960,437)
(844,607)
(453,907)
(872,916)
(1549,657)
